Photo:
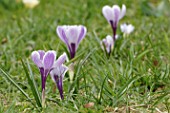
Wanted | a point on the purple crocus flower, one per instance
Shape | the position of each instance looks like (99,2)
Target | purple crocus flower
(113,15)
(71,36)
(44,61)
(58,72)
(108,44)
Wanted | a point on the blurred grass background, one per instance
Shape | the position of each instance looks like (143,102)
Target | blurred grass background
(144,54)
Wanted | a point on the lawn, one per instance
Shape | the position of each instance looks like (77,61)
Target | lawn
(134,78)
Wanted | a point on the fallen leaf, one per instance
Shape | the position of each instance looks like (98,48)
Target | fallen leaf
(4,40)
(89,105)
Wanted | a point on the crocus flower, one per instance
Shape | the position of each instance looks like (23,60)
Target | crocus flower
(127,29)
(44,61)
(30,3)
(58,72)
(71,36)
(108,44)
(113,15)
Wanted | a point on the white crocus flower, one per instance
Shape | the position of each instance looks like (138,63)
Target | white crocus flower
(30,3)
(127,29)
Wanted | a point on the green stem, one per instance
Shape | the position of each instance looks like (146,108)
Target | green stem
(43,98)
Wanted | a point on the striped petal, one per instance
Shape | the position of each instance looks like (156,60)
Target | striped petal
(61,33)
(36,59)
(116,10)
(123,11)
(82,33)
(49,59)
(72,33)
(60,60)
(108,13)
(41,53)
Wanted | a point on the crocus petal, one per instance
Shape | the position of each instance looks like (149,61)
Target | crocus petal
(60,60)
(123,27)
(127,29)
(108,13)
(117,36)
(109,39)
(108,43)
(58,71)
(123,11)
(41,53)
(61,33)
(49,59)
(83,31)
(63,69)
(73,48)
(53,76)
(60,87)
(72,33)
(130,28)
(104,41)
(36,59)
(116,10)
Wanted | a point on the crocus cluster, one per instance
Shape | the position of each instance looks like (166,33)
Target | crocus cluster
(72,35)
(113,15)
(46,63)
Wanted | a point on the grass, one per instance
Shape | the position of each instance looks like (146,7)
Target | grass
(135,78)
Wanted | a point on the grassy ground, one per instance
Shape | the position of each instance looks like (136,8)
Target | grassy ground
(135,78)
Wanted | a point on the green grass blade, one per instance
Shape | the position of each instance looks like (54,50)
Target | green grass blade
(32,84)
(76,77)
(142,54)
(127,86)
(84,60)
(11,108)
(101,90)
(160,98)
(16,85)
(75,58)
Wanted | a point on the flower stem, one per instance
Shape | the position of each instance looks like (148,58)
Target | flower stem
(71,72)
(43,80)
(114,28)
(60,88)
(43,91)
(72,50)
(114,34)
(43,98)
